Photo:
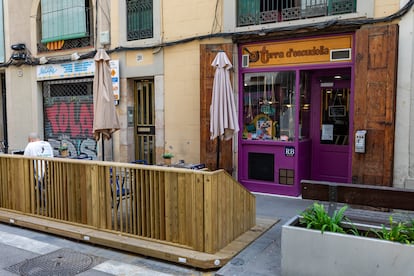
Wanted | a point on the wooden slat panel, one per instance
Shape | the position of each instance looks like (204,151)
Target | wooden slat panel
(358,194)
(171,207)
(208,148)
(184,208)
(374,103)
(211,214)
(198,212)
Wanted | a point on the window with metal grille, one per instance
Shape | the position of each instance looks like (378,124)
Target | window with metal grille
(139,19)
(64,24)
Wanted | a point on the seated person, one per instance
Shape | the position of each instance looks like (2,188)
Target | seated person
(37,147)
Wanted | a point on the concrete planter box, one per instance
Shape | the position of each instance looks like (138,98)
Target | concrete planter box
(309,252)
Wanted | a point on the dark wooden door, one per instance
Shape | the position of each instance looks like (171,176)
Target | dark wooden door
(208,148)
(374,102)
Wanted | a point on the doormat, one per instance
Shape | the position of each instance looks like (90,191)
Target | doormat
(60,262)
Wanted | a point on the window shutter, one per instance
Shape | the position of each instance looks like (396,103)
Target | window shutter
(63,19)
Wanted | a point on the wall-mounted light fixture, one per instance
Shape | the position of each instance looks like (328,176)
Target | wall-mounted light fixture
(18,47)
(74,56)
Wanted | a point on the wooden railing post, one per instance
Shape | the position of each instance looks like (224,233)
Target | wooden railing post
(92,195)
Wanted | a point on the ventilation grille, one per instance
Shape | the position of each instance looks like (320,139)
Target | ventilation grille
(341,54)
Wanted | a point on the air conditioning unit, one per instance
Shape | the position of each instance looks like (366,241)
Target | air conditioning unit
(245,61)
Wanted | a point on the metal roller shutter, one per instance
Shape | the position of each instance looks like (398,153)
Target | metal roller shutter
(68,116)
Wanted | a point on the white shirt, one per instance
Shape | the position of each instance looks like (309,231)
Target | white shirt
(39,149)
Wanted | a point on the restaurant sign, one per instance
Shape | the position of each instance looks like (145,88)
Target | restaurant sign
(304,51)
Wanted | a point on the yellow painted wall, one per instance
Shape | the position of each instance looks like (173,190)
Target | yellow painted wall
(182,101)
(139,58)
(386,7)
(183,19)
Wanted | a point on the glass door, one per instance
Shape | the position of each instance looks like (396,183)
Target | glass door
(330,126)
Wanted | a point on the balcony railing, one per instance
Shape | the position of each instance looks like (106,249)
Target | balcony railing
(256,12)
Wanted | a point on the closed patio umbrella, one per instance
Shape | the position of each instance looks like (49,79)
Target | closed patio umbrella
(223,115)
(105,120)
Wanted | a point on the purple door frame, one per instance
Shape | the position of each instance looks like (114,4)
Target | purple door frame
(331,162)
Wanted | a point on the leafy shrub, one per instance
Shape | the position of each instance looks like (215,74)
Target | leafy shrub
(402,232)
(316,217)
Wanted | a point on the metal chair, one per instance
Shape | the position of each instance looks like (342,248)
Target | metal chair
(121,192)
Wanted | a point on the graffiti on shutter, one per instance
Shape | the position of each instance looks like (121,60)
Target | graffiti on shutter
(68,118)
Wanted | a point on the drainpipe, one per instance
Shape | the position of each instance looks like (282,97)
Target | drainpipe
(3,100)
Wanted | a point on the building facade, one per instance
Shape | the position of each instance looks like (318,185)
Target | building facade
(323,88)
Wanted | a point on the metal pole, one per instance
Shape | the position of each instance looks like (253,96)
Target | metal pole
(218,153)
(103,147)
(4,106)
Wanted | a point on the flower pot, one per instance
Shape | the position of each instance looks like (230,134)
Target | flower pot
(310,252)
(64,153)
(167,161)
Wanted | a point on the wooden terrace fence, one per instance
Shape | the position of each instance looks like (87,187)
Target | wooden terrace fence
(190,209)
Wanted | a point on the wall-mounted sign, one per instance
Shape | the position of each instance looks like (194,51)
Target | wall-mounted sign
(80,68)
(146,130)
(289,151)
(114,64)
(311,50)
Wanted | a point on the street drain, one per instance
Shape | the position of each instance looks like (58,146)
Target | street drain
(60,262)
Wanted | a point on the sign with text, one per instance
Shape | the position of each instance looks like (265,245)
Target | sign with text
(114,64)
(81,68)
(289,151)
(312,50)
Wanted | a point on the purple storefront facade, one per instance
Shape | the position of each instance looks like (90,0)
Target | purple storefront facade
(295,112)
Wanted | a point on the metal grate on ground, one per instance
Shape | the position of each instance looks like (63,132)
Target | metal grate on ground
(64,261)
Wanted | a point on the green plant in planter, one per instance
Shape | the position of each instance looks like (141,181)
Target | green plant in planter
(167,155)
(402,232)
(316,217)
(63,147)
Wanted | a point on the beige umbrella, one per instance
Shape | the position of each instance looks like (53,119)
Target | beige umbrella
(223,115)
(105,120)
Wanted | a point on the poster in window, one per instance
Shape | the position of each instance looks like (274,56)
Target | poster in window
(264,129)
(327,132)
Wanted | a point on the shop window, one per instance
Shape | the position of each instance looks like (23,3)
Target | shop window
(286,176)
(304,113)
(139,19)
(269,106)
(335,116)
(261,166)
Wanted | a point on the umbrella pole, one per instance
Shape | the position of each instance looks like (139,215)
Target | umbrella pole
(218,153)
(103,147)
